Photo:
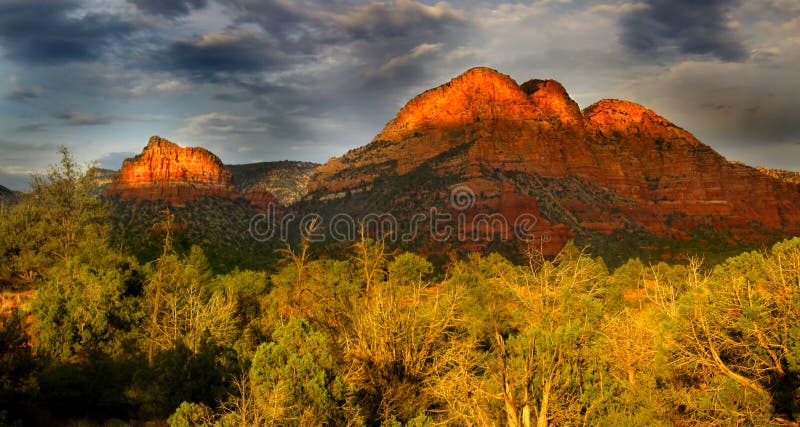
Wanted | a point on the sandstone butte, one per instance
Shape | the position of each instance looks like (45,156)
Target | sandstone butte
(166,171)
(655,169)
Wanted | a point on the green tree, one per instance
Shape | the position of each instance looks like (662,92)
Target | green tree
(735,337)
(88,306)
(400,344)
(180,374)
(409,269)
(190,415)
(294,378)
(61,217)
(181,306)
(88,298)
(537,365)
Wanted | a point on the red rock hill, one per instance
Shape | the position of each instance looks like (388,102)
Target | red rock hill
(167,171)
(529,148)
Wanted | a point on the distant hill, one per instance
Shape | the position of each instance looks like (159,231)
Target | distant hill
(286,180)
(7,196)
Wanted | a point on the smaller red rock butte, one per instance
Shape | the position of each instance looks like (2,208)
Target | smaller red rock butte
(167,171)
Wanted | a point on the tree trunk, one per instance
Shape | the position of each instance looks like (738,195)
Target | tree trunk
(542,421)
(526,415)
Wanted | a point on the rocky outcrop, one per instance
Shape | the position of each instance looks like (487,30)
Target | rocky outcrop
(166,171)
(287,180)
(614,166)
(783,175)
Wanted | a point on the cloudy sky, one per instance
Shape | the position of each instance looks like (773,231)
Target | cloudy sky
(257,80)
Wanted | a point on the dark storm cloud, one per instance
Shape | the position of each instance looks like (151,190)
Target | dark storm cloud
(665,28)
(31,127)
(54,32)
(393,28)
(19,150)
(744,110)
(80,118)
(321,55)
(216,54)
(14,181)
(400,44)
(296,27)
(169,8)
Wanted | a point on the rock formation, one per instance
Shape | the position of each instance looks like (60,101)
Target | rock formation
(166,171)
(788,176)
(615,166)
(615,173)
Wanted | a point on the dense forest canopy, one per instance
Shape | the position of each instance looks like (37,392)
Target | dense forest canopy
(381,338)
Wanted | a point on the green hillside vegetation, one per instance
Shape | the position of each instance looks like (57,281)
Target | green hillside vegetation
(217,224)
(380,337)
(424,188)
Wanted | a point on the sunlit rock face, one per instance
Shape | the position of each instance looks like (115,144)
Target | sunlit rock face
(615,165)
(169,172)
(499,122)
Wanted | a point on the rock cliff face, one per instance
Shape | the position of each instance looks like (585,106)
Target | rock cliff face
(166,171)
(613,167)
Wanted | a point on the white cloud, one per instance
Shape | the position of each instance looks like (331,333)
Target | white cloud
(401,61)
(617,8)
(160,87)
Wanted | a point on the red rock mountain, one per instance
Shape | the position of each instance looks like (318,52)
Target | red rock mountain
(615,167)
(166,171)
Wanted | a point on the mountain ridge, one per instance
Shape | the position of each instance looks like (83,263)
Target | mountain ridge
(662,180)
(614,173)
